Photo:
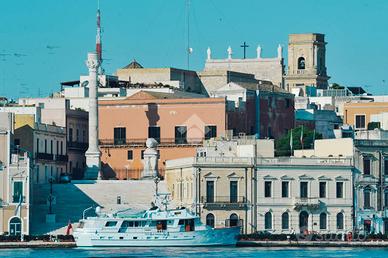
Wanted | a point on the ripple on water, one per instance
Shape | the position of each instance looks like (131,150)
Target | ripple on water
(195,252)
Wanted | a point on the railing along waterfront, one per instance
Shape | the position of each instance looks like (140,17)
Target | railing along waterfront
(305,161)
(142,142)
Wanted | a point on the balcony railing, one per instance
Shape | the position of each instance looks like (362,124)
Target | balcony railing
(311,203)
(305,161)
(142,142)
(224,202)
(16,199)
(63,158)
(44,156)
(83,146)
(223,199)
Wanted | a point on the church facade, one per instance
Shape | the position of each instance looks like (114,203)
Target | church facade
(266,69)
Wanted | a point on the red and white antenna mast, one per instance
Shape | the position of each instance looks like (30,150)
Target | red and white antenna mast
(98,38)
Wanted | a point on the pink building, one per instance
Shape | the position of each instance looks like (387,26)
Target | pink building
(177,121)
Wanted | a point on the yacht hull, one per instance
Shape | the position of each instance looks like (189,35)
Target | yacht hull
(207,237)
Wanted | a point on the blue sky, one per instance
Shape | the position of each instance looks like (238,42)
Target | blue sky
(153,32)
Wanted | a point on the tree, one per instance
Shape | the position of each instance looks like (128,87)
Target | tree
(282,145)
(336,86)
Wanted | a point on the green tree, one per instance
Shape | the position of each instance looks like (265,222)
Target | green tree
(336,86)
(282,145)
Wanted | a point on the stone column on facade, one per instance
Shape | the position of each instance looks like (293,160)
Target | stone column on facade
(315,56)
(93,155)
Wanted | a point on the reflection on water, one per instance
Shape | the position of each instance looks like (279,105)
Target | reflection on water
(195,252)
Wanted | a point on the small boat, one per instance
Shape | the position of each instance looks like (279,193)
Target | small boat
(153,227)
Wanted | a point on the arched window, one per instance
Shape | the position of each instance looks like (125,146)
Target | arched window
(210,220)
(303,221)
(340,220)
(285,220)
(233,220)
(323,221)
(301,63)
(15,226)
(268,220)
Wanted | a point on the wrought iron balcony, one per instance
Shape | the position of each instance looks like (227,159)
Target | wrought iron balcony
(224,202)
(63,158)
(142,142)
(83,146)
(311,203)
(44,156)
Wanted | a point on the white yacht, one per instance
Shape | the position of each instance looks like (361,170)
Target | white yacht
(154,227)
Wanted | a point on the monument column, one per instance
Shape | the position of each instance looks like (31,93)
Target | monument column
(93,164)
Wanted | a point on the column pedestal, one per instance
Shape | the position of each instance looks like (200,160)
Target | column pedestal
(92,171)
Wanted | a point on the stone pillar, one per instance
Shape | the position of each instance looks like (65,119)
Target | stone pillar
(93,163)
(150,157)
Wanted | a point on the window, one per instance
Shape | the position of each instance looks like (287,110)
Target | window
(288,103)
(301,63)
(61,147)
(119,135)
(386,199)
(269,132)
(367,195)
(267,188)
(303,189)
(37,145)
(130,155)
(323,221)
(180,134)
(322,189)
(110,223)
(340,220)
(340,190)
(303,221)
(268,220)
(360,121)
(233,220)
(154,132)
(210,191)
(52,146)
(366,163)
(285,189)
(386,166)
(77,135)
(210,220)
(285,220)
(233,191)
(210,131)
(142,154)
(57,148)
(70,134)
(17,192)
(45,145)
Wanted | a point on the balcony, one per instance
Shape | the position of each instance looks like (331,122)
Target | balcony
(16,199)
(311,203)
(44,156)
(224,202)
(142,142)
(82,146)
(286,161)
(62,158)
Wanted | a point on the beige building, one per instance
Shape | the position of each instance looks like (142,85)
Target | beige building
(15,182)
(306,63)
(239,182)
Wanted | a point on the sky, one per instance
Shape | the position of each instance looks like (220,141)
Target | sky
(45,42)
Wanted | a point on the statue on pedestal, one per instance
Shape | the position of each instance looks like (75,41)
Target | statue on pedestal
(150,158)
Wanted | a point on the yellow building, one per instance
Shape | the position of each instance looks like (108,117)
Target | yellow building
(359,115)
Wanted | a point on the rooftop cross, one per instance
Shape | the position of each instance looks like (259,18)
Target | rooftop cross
(245,48)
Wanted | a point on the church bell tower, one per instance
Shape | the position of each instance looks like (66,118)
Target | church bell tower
(306,63)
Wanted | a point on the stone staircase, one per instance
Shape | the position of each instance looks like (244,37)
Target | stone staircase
(73,198)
